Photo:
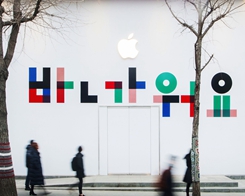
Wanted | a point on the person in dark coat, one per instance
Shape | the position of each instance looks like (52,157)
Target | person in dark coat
(80,170)
(187,178)
(28,156)
(167,182)
(35,169)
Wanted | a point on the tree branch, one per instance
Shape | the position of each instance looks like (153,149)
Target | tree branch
(212,23)
(210,58)
(15,23)
(208,13)
(192,4)
(14,33)
(26,19)
(36,11)
(227,11)
(182,23)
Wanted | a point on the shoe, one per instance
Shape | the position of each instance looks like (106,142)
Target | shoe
(32,193)
(27,188)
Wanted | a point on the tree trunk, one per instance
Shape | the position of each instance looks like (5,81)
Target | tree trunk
(196,189)
(7,178)
(195,141)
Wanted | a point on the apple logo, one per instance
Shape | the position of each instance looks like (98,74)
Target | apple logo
(126,47)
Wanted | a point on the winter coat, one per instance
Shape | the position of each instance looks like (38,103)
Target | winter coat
(187,178)
(167,189)
(28,155)
(35,169)
(80,171)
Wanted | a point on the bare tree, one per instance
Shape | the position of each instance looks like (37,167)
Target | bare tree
(14,13)
(208,13)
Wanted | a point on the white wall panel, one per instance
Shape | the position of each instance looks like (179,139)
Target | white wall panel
(88,52)
(118,140)
(103,154)
(140,140)
(132,140)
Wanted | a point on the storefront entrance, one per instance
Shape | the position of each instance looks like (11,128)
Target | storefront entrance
(131,145)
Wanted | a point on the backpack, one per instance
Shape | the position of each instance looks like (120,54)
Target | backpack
(74,165)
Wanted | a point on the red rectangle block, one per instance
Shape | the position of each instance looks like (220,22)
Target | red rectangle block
(191,109)
(33,97)
(60,95)
(185,99)
(110,85)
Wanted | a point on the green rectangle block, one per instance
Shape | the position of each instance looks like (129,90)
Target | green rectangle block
(68,85)
(226,102)
(192,88)
(118,95)
(217,102)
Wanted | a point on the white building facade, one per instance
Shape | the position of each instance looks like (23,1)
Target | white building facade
(131,110)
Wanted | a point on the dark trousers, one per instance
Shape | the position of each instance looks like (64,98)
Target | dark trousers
(32,189)
(80,185)
(187,188)
(27,183)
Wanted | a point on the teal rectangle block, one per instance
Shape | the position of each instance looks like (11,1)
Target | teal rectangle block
(118,95)
(217,113)
(217,102)
(226,102)
(226,113)
(68,85)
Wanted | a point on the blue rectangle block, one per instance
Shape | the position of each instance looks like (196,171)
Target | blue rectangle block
(140,85)
(46,92)
(166,109)
(32,74)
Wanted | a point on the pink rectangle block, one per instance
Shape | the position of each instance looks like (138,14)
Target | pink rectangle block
(60,74)
(157,98)
(132,95)
(210,113)
(233,113)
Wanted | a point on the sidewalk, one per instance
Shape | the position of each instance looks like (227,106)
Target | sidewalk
(217,184)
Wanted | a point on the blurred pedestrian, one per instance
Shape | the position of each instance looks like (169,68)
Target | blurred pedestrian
(187,178)
(28,156)
(35,170)
(78,166)
(80,170)
(166,183)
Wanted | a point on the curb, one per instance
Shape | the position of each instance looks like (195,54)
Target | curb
(209,187)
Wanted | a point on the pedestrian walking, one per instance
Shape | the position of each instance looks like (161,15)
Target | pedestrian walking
(166,182)
(28,156)
(80,170)
(187,177)
(78,166)
(35,170)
